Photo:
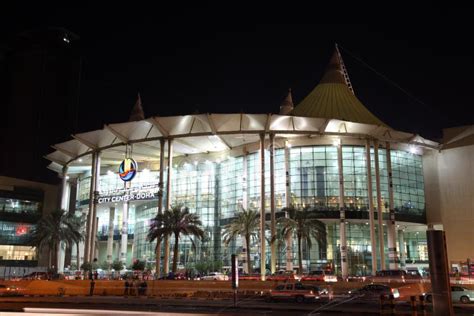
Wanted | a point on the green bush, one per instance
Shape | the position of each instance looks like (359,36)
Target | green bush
(117,265)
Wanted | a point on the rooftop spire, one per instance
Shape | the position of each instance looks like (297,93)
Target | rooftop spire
(137,113)
(334,98)
(287,105)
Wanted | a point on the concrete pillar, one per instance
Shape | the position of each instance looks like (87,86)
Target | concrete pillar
(160,205)
(262,207)
(342,220)
(391,224)
(272,205)
(110,237)
(166,242)
(289,239)
(379,204)
(124,239)
(94,208)
(401,245)
(373,243)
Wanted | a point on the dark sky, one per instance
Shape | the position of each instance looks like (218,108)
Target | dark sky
(206,58)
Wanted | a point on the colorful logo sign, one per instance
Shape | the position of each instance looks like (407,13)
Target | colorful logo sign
(128,169)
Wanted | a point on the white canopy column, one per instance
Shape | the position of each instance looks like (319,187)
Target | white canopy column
(110,237)
(160,205)
(379,205)
(289,239)
(373,243)
(262,208)
(272,205)
(124,239)
(65,190)
(166,263)
(342,223)
(94,184)
(391,234)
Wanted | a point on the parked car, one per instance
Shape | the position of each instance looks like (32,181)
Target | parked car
(253,276)
(293,291)
(316,275)
(11,290)
(36,276)
(282,275)
(215,276)
(374,291)
(458,294)
(395,276)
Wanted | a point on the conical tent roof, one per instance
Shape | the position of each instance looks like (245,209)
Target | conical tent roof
(137,113)
(333,99)
(287,104)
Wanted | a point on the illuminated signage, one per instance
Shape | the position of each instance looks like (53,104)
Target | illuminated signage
(128,169)
(125,195)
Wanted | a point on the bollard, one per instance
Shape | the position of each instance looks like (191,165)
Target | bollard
(422,302)
(413,303)
(391,300)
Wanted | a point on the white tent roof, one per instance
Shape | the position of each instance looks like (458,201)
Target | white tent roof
(207,133)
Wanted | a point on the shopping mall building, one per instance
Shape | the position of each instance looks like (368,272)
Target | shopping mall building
(376,189)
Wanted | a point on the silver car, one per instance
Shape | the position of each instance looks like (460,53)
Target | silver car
(458,294)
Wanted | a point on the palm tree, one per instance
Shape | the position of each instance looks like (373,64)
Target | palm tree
(157,232)
(246,224)
(56,227)
(302,223)
(176,221)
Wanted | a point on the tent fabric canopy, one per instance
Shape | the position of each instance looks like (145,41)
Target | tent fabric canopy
(333,99)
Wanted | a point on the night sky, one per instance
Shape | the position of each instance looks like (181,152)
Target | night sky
(411,66)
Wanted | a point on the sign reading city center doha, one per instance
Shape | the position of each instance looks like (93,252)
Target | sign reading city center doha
(128,169)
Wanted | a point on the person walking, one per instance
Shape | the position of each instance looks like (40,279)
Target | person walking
(91,290)
(126,289)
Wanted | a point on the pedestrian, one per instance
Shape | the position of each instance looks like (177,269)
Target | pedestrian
(132,288)
(91,290)
(143,288)
(126,290)
(330,292)
(96,274)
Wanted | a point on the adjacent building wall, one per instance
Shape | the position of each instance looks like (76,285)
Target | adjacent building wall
(455,174)
(50,201)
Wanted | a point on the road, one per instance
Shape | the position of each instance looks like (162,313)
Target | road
(338,306)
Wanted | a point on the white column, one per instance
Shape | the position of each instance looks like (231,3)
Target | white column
(262,208)
(95,174)
(124,239)
(245,200)
(379,205)
(272,204)
(61,255)
(166,242)
(160,205)
(373,243)
(110,237)
(342,221)
(391,237)
(92,247)
(289,239)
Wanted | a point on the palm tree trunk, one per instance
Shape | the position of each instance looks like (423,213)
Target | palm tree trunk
(49,258)
(56,257)
(175,252)
(300,256)
(167,255)
(158,257)
(247,241)
(78,257)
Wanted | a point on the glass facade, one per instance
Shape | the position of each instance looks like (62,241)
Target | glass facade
(216,190)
